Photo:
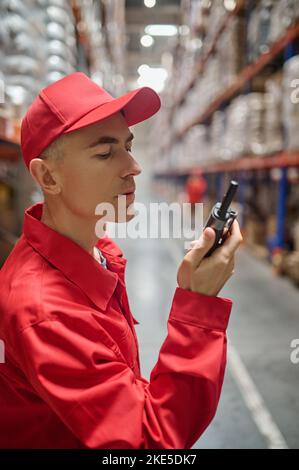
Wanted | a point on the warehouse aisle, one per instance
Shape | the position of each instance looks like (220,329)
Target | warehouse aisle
(263,323)
(220,80)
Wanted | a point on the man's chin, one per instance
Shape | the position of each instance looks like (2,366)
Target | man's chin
(101,225)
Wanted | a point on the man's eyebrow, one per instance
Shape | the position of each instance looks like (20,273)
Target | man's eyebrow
(107,139)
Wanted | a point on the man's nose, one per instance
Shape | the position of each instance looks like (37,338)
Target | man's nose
(133,168)
(137,168)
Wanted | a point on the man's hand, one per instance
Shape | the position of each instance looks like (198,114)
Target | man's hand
(208,275)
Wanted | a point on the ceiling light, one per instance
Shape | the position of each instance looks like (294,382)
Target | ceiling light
(149,3)
(147,40)
(230,5)
(142,69)
(184,30)
(161,29)
(196,44)
(154,77)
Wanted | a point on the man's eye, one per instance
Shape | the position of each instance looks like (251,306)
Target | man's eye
(103,155)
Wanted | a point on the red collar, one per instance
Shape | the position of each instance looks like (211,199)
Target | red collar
(72,260)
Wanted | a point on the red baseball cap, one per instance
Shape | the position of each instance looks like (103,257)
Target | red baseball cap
(74,102)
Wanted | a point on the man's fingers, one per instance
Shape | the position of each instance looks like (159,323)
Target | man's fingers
(201,246)
(233,241)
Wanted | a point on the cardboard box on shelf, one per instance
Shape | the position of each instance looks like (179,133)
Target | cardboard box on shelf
(291,266)
(296,235)
(271,226)
(291,102)
(255,233)
(8,220)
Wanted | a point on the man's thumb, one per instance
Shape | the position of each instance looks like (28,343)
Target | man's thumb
(202,246)
(209,235)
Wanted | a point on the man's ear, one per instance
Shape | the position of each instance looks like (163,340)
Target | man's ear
(44,176)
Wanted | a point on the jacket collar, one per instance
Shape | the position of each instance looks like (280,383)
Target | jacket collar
(72,260)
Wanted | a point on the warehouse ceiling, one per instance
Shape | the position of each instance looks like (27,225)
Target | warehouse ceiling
(138,16)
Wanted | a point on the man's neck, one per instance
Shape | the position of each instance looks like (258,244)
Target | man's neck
(81,231)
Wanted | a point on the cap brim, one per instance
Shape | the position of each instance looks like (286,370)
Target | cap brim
(138,105)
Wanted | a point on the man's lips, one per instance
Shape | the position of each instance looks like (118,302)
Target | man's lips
(130,191)
(129,195)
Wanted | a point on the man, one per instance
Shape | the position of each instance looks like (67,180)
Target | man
(72,374)
(195,188)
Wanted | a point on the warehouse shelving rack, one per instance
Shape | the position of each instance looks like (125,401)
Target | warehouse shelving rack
(9,154)
(225,23)
(239,167)
(12,171)
(247,74)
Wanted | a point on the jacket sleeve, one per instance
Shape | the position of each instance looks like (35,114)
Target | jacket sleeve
(75,368)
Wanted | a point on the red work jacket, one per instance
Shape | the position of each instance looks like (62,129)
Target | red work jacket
(71,376)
